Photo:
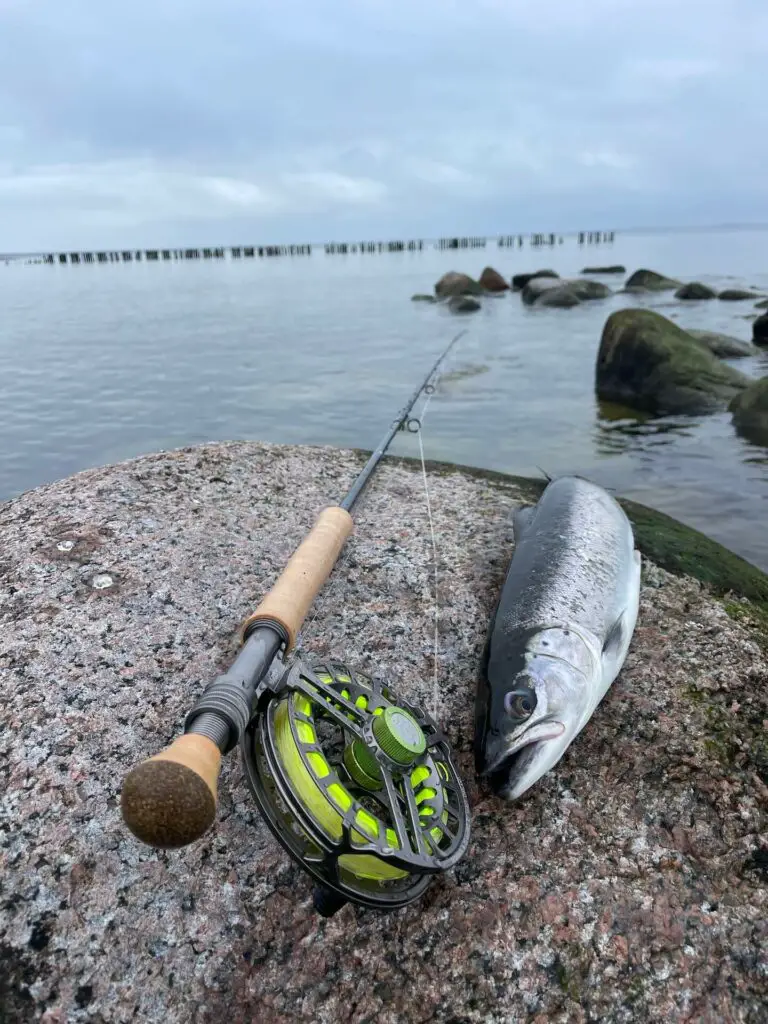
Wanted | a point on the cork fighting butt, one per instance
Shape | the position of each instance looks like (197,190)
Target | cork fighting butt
(169,800)
(309,567)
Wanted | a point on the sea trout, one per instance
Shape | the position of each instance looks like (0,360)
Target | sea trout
(560,632)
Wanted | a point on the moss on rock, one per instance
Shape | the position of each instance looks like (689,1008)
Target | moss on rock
(750,412)
(647,362)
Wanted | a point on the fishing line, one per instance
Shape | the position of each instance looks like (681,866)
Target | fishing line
(412,425)
(435,687)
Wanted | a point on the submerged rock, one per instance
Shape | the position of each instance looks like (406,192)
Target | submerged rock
(737,295)
(695,290)
(760,330)
(492,281)
(629,885)
(750,412)
(723,345)
(650,281)
(647,362)
(614,269)
(762,304)
(454,283)
(519,281)
(463,304)
(423,298)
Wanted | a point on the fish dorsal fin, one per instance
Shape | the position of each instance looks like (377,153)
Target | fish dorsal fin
(521,521)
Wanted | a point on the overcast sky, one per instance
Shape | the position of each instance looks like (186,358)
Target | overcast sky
(172,122)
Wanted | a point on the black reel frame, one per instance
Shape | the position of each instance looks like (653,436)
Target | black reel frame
(418,853)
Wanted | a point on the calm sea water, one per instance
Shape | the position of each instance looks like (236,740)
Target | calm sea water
(100,363)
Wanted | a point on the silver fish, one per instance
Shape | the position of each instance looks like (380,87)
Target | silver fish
(560,633)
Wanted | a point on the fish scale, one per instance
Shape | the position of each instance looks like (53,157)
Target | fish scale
(576,582)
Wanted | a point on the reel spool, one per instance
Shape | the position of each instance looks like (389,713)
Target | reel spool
(357,786)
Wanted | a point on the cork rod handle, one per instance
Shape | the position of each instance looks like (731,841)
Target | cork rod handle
(170,800)
(309,567)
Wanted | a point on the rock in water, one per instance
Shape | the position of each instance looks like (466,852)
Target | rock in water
(614,269)
(519,281)
(763,304)
(536,286)
(650,281)
(760,331)
(750,412)
(561,297)
(423,298)
(723,345)
(463,304)
(695,290)
(586,290)
(737,295)
(562,292)
(492,281)
(454,283)
(648,363)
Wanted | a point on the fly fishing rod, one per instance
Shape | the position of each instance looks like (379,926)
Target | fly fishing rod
(358,786)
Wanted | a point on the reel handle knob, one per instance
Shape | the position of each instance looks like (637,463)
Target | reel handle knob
(169,800)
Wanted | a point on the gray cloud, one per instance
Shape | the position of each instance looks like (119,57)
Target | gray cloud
(172,122)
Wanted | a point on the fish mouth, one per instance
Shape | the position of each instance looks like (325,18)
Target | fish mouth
(513,767)
(502,754)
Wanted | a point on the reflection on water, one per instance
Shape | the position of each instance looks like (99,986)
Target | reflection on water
(101,363)
(619,429)
(460,373)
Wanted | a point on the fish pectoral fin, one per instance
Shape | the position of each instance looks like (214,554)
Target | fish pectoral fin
(521,521)
(615,637)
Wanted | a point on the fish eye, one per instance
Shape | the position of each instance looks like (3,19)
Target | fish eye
(520,703)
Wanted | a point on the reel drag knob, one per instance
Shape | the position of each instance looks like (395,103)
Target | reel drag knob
(399,735)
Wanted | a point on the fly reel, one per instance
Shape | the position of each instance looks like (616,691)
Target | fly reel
(357,786)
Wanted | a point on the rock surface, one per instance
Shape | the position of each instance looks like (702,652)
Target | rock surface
(723,345)
(750,412)
(760,330)
(737,295)
(492,281)
(454,283)
(649,280)
(519,281)
(649,363)
(614,269)
(630,886)
(695,290)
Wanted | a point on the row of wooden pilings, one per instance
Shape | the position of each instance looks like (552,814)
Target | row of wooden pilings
(330,248)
